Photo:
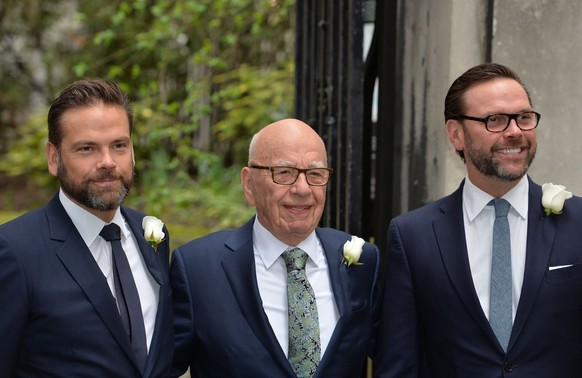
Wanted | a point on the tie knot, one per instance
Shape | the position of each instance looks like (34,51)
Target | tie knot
(295,259)
(501,207)
(111,232)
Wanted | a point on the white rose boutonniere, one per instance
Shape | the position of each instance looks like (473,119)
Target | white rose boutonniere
(553,198)
(153,231)
(353,251)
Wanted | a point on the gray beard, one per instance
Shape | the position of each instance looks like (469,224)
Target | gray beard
(91,198)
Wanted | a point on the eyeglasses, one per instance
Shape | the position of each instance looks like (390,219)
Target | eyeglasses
(288,175)
(497,123)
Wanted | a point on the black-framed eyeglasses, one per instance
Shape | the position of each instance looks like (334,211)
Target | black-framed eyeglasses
(288,175)
(499,122)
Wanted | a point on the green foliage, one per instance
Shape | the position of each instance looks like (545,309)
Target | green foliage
(251,97)
(26,156)
(204,75)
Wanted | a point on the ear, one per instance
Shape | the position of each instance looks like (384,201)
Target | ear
(247,185)
(456,134)
(52,158)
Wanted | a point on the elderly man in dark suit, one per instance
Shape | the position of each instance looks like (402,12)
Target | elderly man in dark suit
(280,296)
(85,288)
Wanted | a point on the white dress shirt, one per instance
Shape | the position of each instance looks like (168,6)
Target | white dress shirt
(272,282)
(89,227)
(478,219)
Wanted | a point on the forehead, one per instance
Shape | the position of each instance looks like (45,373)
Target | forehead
(498,95)
(289,144)
(92,121)
(282,150)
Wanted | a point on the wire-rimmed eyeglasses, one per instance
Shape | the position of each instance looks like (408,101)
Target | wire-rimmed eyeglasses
(499,122)
(288,175)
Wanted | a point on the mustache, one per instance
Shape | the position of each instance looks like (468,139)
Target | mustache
(106,175)
(513,144)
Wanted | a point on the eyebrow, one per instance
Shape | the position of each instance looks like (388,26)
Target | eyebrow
(93,143)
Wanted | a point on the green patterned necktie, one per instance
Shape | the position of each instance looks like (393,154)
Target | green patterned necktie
(304,348)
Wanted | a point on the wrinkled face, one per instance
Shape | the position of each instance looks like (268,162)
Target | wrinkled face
(94,164)
(289,212)
(492,158)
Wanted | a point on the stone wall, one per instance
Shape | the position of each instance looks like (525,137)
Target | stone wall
(439,40)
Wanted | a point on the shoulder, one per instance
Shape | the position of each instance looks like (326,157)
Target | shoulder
(29,224)
(214,246)
(208,241)
(445,205)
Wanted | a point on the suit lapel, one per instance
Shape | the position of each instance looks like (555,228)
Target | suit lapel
(81,265)
(240,272)
(332,246)
(145,249)
(450,235)
(154,266)
(540,237)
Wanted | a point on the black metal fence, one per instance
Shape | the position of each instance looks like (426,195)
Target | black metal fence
(334,94)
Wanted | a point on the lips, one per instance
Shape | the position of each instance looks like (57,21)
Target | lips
(511,151)
(105,180)
(298,209)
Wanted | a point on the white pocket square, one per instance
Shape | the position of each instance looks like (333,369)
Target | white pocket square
(560,267)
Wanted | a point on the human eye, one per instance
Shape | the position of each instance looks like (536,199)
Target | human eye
(283,171)
(120,145)
(496,118)
(527,116)
(84,148)
(316,173)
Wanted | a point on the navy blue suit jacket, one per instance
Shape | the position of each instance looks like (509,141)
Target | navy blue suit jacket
(430,303)
(222,329)
(58,317)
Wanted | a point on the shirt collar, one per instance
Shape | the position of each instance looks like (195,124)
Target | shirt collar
(270,248)
(88,225)
(475,200)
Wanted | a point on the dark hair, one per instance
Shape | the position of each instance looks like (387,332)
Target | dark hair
(83,93)
(455,100)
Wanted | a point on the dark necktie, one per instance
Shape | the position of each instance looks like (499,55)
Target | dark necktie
(127,295)
(304,345)
(500,305)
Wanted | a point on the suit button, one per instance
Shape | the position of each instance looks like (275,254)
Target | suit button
(508,367)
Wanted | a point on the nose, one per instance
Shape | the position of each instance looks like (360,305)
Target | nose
(106,160)
(301,185)
(513,128)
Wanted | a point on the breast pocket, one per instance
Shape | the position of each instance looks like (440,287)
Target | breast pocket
(565,273)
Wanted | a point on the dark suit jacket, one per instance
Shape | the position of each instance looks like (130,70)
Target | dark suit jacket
(430,302)
(58,317)
(221,327)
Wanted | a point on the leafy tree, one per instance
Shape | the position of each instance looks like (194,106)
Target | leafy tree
(204,75)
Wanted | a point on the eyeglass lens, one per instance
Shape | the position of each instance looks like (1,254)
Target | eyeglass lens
(525,121)
(288,175)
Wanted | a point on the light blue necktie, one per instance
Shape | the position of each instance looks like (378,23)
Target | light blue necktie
(304,346)
(500,309)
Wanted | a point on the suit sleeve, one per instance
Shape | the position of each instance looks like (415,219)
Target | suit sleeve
(183,315)
(13,305)
(397,349)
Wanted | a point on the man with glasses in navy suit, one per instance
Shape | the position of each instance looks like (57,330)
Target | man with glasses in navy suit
(235,294)
(485,282)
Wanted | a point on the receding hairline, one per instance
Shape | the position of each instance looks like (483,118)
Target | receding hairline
(289,123)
